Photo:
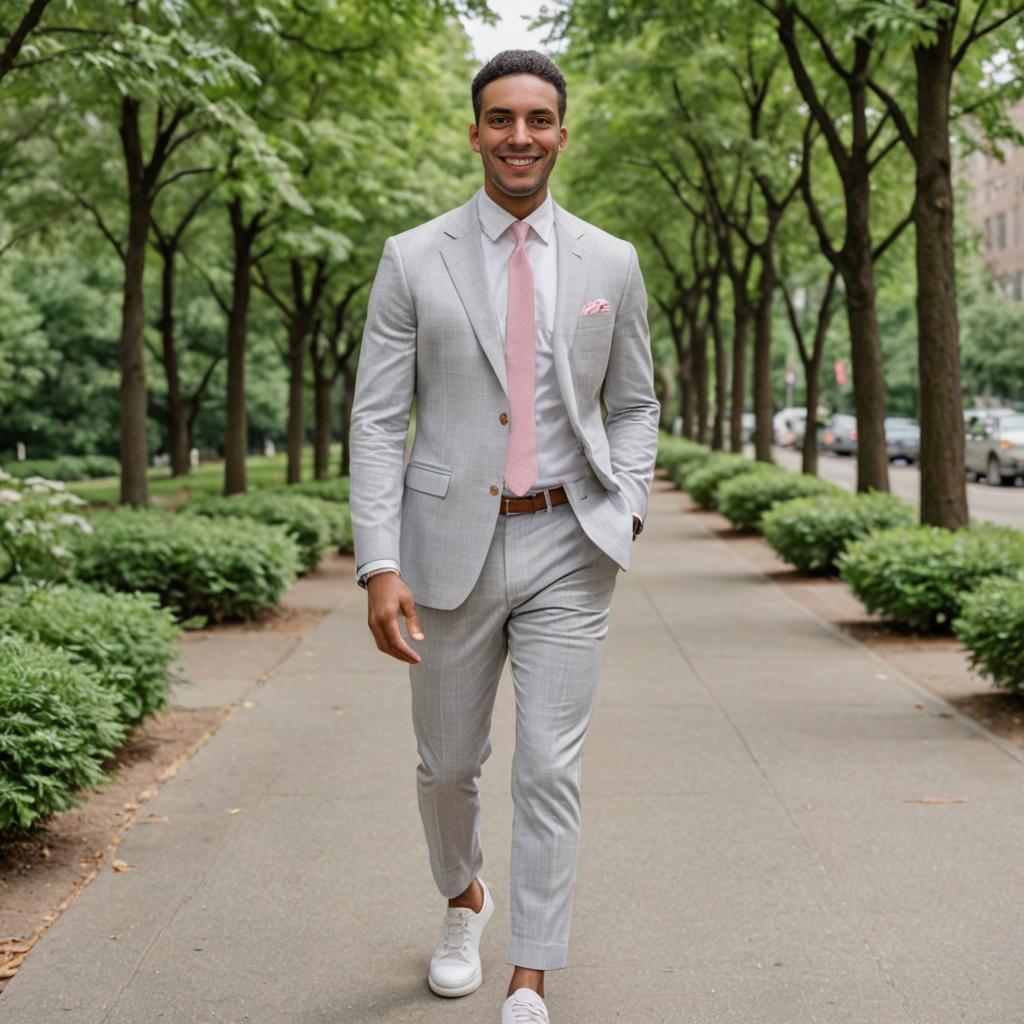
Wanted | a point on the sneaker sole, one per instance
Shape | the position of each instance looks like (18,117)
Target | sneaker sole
(454,993)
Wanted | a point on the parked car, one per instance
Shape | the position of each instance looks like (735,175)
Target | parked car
(840,434)
(788,426)
(902,438)
(994,450)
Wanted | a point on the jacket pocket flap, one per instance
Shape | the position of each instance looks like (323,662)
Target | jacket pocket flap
(429,481)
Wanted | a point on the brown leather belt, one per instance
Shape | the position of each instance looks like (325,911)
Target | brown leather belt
(532,502)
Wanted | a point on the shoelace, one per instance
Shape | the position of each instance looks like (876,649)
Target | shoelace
(456,932)
(528,1013)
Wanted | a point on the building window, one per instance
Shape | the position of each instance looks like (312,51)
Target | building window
(988,233)
(1001,231)
(1018,286)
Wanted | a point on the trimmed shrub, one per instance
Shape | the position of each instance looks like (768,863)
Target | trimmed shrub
(58,724)
(744,499)
(38,524)
(310,522)
(66,467)
(703,481)
(811,533)
(918,576)
(127,638)
(210,568)
(678,455)
(991,627)
(334,489)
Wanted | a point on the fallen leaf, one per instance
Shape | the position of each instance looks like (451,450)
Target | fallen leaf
(936,800)
(235,810)
(113,935)
(248,703)
(155,819)
(121,865)
(918,704)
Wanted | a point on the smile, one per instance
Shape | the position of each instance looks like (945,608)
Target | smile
(519,161)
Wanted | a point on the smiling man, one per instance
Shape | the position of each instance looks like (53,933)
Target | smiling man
(507,319)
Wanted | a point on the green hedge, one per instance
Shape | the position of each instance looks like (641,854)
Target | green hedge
(312,523)
(335,488)
(811,533)
(198,566)
(678,455)
(67,467)
(918,576)
(991,627)
(127,638)
(702,482)
(744,499)
(58,724)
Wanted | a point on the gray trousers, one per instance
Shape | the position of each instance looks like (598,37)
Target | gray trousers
(542,599)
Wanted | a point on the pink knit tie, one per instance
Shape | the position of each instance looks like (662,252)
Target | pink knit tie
(520,343)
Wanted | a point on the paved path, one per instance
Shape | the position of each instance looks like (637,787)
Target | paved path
(758,842)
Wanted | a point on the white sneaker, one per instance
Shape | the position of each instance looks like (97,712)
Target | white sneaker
(455,966)
(524,1006)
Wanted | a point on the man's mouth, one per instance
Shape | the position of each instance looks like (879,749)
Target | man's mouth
(519,161)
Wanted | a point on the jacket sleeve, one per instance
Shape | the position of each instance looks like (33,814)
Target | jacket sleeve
(385,382)
(629,396)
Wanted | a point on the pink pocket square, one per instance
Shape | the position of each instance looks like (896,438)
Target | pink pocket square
(595,306)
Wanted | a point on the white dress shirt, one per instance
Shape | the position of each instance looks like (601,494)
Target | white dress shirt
(560,454)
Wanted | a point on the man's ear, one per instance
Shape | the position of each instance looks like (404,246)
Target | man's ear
(563,135)
(474,138)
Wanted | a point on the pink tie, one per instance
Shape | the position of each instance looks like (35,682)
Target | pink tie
(520,343)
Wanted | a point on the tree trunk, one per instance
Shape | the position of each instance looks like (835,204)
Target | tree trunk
(322,388)
(699,365)
(868,379)
(131,352)
(943,479)
(296,397)
(738,396)
(235,439)
(763,405)
(721,364)
(812,381)
(177,421)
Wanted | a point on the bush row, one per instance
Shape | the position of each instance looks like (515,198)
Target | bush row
(67,467)
(970,581)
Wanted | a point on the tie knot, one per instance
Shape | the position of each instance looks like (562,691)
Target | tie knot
(521,229)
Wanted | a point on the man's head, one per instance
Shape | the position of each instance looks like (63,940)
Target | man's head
(519,100)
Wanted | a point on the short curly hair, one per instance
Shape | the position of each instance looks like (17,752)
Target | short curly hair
(519,62)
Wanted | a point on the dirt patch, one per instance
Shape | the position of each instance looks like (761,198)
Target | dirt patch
(939,663)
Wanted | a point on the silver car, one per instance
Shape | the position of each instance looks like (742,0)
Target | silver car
(995,447)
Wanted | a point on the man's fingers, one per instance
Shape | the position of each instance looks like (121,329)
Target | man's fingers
(412,620)
(396,645)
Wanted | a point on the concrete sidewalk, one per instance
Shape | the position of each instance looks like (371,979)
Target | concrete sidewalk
(768,837)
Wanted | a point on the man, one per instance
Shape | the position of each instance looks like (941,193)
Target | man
(508,319)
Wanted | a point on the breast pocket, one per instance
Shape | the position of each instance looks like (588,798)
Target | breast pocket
(592,345)
(428,479)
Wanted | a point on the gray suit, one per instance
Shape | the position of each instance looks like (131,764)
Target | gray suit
(535,588)
(430,330)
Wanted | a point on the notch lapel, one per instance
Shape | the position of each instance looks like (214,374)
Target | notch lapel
(573,266)
(464,259)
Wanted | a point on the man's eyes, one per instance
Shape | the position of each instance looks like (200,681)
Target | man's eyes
(543,122)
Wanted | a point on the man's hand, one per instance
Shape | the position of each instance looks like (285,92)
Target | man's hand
(389,597)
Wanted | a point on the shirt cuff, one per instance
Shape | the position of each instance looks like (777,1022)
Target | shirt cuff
(372,568)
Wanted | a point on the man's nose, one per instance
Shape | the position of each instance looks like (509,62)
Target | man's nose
(521,133)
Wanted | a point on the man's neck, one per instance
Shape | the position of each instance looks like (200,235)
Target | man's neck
(519,206)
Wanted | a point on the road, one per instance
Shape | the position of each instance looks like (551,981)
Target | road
(995,504)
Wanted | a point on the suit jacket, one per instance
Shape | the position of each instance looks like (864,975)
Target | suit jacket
(431,333)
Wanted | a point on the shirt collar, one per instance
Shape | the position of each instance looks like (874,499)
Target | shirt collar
(494,220)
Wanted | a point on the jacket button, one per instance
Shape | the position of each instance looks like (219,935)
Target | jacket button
(494,490)
(503,418)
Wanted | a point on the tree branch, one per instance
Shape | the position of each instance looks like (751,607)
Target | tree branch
(101,223)
(901,226)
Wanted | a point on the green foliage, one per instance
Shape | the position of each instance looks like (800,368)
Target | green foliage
(198,566)
(313,524)
(991,627)
(678,455)
(37,527)
(58,723)
(333,489)
(127,639)
(918,576)
(702,481)
(811,533)
(744,499)
(67,467)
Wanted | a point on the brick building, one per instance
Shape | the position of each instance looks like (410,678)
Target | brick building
(994,199)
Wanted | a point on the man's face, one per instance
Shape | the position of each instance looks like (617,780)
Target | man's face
(519,136)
